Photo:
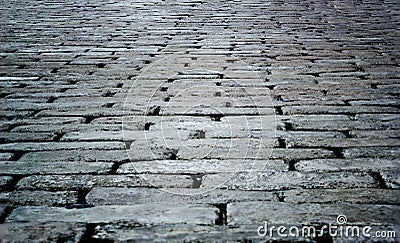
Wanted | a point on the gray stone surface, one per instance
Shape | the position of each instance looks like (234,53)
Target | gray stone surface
(127,196)
(29,168)
(43,232)
(275,180)
(150,213)
(342,196)
(185,121)
(253,212)
(39,198)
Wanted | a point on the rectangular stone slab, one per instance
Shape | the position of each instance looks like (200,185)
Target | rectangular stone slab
(150,213)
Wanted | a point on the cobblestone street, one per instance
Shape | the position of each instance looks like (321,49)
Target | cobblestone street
(198,120)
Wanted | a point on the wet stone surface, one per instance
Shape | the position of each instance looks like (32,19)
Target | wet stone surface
(198,121)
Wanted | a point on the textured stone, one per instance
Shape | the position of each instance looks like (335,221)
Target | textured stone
(72,182)
(29,168)
(128,196)
(341,142)
(338,123)
(198,166)
(253,110)
(274,180)
(339,196)
(117,156)
(42,232)
(39,198)
(366,164)
(290,110)
(29,147)
(150,213)
(375,152)
(276,213)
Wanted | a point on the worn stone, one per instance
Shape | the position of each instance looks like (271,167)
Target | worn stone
(365,164)
(29,168)
(195,121)
(342,196)
(276,213)
(150,213)
(40,232)
(40,198)
(274,180)
(73,182)
(127,196)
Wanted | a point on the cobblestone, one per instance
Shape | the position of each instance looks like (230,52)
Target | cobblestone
(197,120)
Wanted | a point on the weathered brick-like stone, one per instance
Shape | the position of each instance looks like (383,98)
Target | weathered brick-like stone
(340,142)
(338,196)
(256,213)
(199,166)
(374,134)
(28,168)
(30,147)
(300,153)
(290,110)
(271,180)
(45,231)
(337,123)
(150,213)
(72,182)
(374,152)
(125,196)
(116,156)
(365,164)
(40,198)
(27,137)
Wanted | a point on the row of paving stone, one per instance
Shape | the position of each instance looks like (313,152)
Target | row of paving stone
(198,120)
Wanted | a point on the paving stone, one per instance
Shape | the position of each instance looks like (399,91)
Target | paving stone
(116,156)
(27,137)
(30,147)
(300,153)
(374,152)
(29,168)
(364,164)
(374,134)
(342,122)
(198,166)
(127,196)
(340,142)
(39,198)
(149,213)
(342,196)
(289,110)
(272,180)
(253,212)
(181,232)
(73,182)
(45,231)
(156,147)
